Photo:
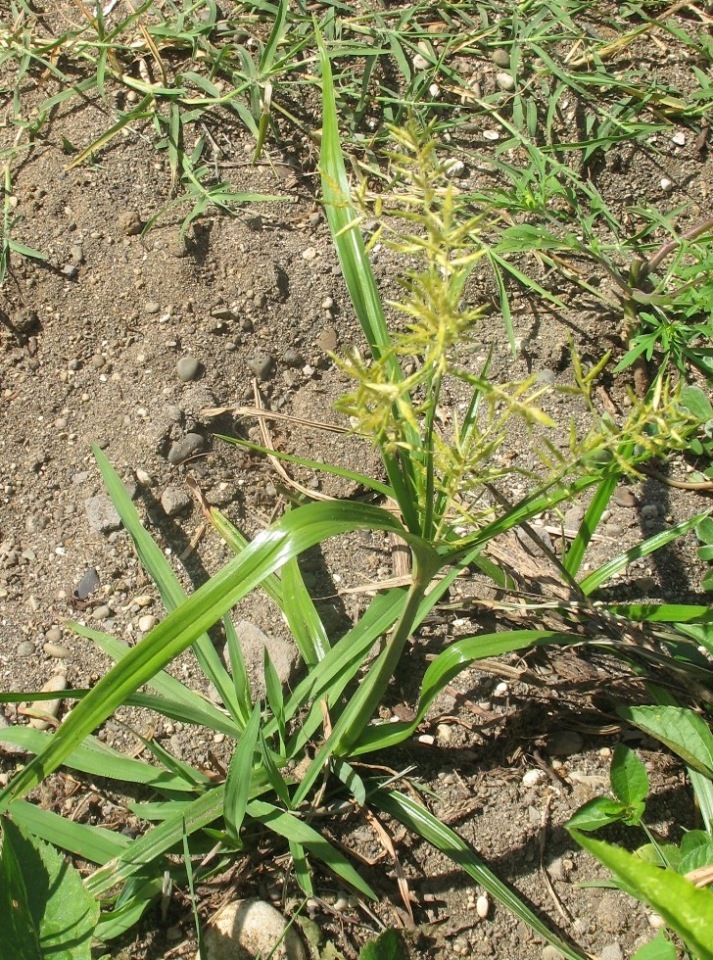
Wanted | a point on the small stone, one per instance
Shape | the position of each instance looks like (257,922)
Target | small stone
(53,635)
(420,62)
(130,223)
(645,585)
(551,953)
(102,514)
(505,81)
(26,648)
(482,906)
(48,707)
(532,777)
(292,358)
(57,650)
(101,612)
(70,270)
(649,511)
(188,368)
(624,497)
(679,139)
(144,479)
(147,622)
(328,340)
(500,57)
(251,928)
(666,184)
(24,321)
(491,135)
(612,951)
(261,365)
(151,306)
(546,378)
(188,446)
(174,499)
(309,254)
(454,168)
(444,732)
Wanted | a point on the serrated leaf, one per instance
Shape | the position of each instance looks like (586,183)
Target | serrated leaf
(657,949)
(629,782)
(597,813)
(681,730)
(387,946)
(51,912)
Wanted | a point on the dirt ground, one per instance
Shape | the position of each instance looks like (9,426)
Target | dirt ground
(96,347)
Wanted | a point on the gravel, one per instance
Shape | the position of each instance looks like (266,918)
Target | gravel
(188,446)
(188,368)
(102,514)
(174,499)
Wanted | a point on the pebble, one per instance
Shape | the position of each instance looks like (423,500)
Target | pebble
(500,57)
(174,499)
(420,62)
(328,339)
(261,365)
(292,358)
(666,184)
(649,511)
(144,479)
(188,368)
(101,612)
(24,320)
(151,306)
(454,168)
(130,223)
(624,497)
(679,139)
(309,254)
(482,906)
(573,517)
(57,650)
(147,622)
(102,514)
(250,928)
(53,635)
(505,81)
(186,447)
(50,707)
(612,951)
(532,777)
(551,953)
(26,648)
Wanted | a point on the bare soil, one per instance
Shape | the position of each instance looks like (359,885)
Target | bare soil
(89,347)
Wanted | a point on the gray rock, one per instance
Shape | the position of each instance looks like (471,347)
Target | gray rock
(102,514)
(251,928)
(174,499)
(25,320)
(612,951)
(292,358)
(254,642)
(551,953)
(649,511)
(186,447)
(188,368)
(54,635)
(152,306)
(500,57)
(26,648)
(261,365)
(505,81)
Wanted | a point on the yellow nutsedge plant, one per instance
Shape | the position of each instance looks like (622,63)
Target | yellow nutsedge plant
(455,457)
